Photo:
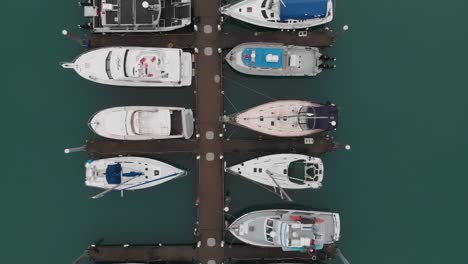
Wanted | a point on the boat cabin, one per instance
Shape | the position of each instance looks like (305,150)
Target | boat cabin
(147,66)
(265,58)
(138,15)
(160,123)
(293,234)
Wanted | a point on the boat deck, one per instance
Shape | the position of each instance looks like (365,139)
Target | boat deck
(209,145)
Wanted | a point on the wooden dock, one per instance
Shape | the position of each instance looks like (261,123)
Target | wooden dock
(188,253)
(111,148)
(208,42)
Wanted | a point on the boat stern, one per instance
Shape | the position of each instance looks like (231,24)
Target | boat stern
(187,123)
(186,69)
(337,225)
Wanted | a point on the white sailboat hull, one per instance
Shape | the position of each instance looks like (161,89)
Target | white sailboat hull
(154,172)
(271,170)
(281,118)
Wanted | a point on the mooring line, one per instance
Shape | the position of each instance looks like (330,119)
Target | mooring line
(230,102)
(251,89)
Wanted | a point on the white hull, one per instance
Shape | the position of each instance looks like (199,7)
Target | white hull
(135,66)
(153,173)
(143,123)
(261,15)
(251,228)
(295,60)
(273,169)
(287,118)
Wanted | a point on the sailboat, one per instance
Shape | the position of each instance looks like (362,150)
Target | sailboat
(288,171)
(128,173)
(287,118)
(135,66)
(281,14)
(143,122)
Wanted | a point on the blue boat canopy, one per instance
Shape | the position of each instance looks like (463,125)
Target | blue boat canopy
(266,58)
(114,174)
(303,9)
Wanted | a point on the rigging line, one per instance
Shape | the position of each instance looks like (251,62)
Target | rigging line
(230,102)
(232,133)
(251,89)
(260,185)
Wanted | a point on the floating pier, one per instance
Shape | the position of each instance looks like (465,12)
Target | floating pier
(208,41)
(112,148)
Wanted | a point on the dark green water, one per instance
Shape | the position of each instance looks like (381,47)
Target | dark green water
(400,82)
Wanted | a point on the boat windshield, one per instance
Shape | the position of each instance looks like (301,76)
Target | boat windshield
(125,63)
(108,63)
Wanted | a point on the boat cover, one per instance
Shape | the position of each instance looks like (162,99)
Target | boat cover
(303,9)
(329,111)
(267,58)
(114,174)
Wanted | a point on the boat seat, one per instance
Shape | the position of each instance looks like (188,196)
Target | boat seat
(294,61)
(271,58)
(305,241)
(109,7)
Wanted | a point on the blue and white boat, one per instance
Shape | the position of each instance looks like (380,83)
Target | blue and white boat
(272,59)
(281,14)
(128,173)
(290,230)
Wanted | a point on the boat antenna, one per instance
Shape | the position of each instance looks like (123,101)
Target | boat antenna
(281,1)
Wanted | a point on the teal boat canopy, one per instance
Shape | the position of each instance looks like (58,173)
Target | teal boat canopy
(303,9)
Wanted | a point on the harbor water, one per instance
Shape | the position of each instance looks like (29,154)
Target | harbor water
(401,86)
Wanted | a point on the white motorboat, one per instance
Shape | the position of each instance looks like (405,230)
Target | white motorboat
(272,59)
(291,230)
(128,173)
(281,14)
(135,66)
(143,123)
(107,16)
(288,118)
(288,171)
